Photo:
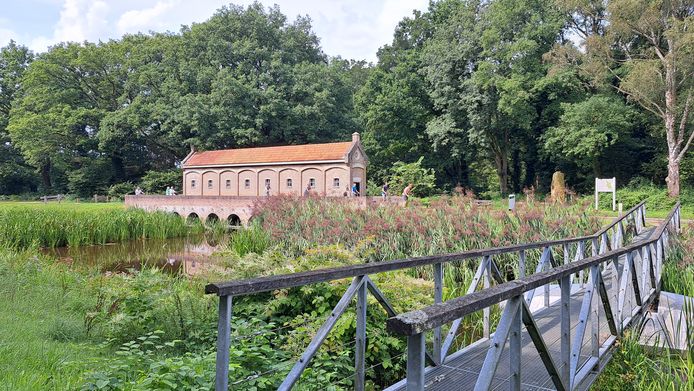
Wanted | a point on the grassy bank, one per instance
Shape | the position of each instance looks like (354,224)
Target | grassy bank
(24,225)
(149,330)
(75,328)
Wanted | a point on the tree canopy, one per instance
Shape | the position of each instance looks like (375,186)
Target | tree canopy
(492,96)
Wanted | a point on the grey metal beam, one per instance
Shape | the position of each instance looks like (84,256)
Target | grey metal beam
(450,337)
(360,346)
(496,345)
(378,295)
(438,297)
(321,334)
(581,327)
(604,297)
(223,344)
(415,362)
(515,350)
(565,324)
(635,278)
(485,310)
(536,337)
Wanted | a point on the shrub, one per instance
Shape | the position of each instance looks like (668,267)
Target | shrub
(155,182)
(120,190)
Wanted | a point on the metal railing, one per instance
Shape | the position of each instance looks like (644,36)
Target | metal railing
(609,238)
(635,285)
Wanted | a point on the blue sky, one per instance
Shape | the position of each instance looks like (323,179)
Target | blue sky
(349,28)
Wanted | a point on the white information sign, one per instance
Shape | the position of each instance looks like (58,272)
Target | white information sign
(608,185)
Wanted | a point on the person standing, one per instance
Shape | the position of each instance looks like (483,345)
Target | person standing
(307,190)
(406,192)
(168,190)
(173,191)
(384,191)
(267,190)
(355,190)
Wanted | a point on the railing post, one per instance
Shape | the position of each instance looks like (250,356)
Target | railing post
(415,362)
(595,313)
(485,311)
(580,254)
(521,264)
(360,347)
(546,287)
(223,343)
(438,297)
(565,286)
(515,347)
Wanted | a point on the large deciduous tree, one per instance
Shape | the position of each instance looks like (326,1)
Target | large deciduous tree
(484,70)
(649,50)
(15,175)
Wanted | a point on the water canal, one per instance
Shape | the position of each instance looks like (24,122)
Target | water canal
(188,255)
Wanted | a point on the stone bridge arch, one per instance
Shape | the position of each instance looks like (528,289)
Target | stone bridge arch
(204,207)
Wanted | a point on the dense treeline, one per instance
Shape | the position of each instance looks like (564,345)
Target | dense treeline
(493,95)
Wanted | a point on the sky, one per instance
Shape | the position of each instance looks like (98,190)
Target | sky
(352,29)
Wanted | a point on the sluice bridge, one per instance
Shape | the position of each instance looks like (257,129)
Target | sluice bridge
(558,323)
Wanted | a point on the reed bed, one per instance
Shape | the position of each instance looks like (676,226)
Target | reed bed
(37,225)
(385,232)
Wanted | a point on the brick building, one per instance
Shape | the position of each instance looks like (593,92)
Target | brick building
(330,169)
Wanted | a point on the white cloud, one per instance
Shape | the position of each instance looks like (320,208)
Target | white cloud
(6,35)
(81,20)
(348,28)
(143,19)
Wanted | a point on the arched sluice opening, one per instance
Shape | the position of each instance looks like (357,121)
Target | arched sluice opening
(193,218)
(211,219)
(176,214)
(234,220)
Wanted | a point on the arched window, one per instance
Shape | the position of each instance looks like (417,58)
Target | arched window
(209,183)
(228,184)
(312,182)
(192,183)
(289,183)
(247,183)
(267,182)
(336,182)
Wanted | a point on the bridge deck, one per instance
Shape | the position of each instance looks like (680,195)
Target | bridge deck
(462,368)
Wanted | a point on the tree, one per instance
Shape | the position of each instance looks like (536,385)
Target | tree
(649,50)
(15,175)
(422,179)
(588,128)
(483,69)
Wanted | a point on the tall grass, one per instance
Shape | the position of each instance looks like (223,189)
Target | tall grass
(28,225)
(678,270)
(385,232)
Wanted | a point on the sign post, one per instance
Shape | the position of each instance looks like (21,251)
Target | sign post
(608,185)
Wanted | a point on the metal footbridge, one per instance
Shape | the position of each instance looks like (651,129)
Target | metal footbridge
(552,327)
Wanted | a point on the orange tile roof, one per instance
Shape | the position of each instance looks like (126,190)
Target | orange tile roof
(283,154)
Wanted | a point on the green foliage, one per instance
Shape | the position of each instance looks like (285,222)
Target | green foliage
(92,179)
(588,128)
(156,182)
(252,239)
(633,368)
(120,190)
(402,174)
(57,225)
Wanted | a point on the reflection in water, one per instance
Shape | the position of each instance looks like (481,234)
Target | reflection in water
(188,256)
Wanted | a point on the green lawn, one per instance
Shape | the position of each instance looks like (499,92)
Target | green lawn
(63,205)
